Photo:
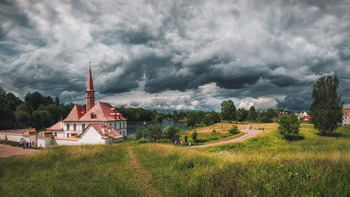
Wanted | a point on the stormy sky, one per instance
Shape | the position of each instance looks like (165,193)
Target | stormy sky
(176,55)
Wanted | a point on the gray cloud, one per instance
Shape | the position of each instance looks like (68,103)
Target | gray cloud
(247,51)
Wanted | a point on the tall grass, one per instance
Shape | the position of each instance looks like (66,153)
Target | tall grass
(179,172)
(70,171)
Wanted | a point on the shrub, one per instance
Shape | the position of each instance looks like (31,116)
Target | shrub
(234,130)
(171,131)
(213,131)
(139,133)
(289,125)
(194,136)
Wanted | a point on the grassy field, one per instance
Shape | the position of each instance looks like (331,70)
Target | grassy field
(207,136)
(264,166)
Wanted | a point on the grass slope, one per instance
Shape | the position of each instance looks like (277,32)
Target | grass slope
(262,166)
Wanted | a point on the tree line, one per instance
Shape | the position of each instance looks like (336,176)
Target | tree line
(35,111)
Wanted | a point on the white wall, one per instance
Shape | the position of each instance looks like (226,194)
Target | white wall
(15,138)
(65,142)
(44,141)
(91,136)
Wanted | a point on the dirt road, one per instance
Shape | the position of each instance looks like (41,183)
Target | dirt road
(248,134)
(8,151)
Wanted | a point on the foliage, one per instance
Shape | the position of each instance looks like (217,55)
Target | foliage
(234,130)
(213,131)
(327,108)
(252,115)
(289,125)
(194,136)
(170,131)
(153,132)
(139,133)
(241,114)
(200,118)
(228,110)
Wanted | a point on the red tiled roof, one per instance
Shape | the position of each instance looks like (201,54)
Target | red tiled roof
(102,112)
(77,112)
(90,86)
(346,110)
(56,127)
(110,132)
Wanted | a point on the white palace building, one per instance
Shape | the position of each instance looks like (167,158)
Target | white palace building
(97,124)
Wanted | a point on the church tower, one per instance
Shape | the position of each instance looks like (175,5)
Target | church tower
(90,92)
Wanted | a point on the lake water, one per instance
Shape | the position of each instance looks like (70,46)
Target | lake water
(132,126)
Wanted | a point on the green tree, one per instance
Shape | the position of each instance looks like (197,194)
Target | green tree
(289,125)
(23,119)
(139,133)
(170,131)
(241,114)
(194,136)
(154,132)
(252,115)
(228,110)
(327,108)
(57,101)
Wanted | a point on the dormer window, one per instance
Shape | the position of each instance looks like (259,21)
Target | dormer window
(93,116)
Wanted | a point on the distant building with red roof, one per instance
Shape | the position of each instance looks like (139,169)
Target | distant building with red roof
(97,124)
(346,117)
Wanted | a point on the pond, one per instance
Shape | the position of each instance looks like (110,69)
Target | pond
(132,126)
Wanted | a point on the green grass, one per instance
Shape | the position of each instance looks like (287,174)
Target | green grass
(266,165)
(70,171)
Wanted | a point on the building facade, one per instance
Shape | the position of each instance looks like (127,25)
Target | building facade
(346,117)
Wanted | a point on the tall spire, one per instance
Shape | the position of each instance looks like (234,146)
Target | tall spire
(90,86)
(90,92)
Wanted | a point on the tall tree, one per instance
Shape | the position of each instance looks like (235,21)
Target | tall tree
(228,110)
(327,108)
(57,101)
(252,115)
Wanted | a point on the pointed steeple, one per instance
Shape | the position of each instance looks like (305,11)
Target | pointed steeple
(90,92)
(90,85)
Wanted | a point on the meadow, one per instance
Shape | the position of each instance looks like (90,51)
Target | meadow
(263,166)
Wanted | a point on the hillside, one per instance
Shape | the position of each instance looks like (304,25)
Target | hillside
(262,166)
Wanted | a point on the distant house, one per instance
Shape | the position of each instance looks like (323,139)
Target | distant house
(346,117)
(306,118)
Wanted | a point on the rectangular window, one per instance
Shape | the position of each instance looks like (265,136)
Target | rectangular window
(68,134)
(68,127)
(83,127)
(74,127)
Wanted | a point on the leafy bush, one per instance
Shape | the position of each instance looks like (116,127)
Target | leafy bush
(170,131)
(194,136)
(289,126)
(213,131)
(234,130)
(139,133)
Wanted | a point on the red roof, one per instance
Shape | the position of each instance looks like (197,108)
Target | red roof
(109,131)
(102,112)
(346,111)
(56,127)
(90,86)
(77,112)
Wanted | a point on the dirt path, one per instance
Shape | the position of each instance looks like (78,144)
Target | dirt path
(248,134)
(8,151)
(144,176)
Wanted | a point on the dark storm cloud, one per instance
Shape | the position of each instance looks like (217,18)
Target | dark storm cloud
(251,51)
